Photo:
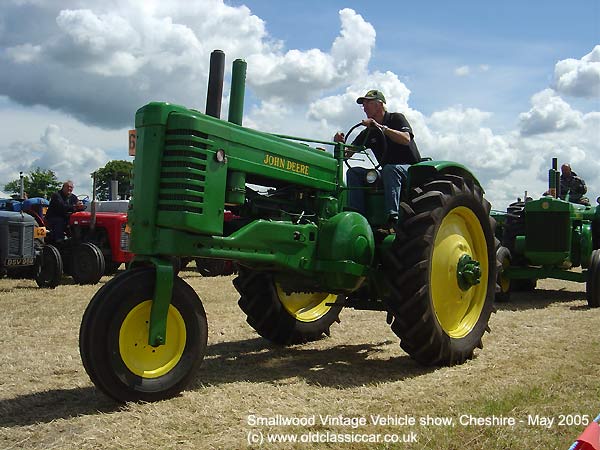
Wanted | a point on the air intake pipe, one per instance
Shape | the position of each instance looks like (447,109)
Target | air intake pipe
(238,87)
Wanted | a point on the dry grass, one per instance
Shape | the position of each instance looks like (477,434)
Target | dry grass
(542,358)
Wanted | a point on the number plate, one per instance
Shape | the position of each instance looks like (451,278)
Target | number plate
(132,139)
(19,261)
(39,232)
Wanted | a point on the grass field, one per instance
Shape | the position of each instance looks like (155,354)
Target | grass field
(540,363)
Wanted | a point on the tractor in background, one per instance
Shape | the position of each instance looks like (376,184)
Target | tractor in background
(548,238)
(23,251)
(74,256)
(104,223)
(20,249)
(302,254)
(83,261)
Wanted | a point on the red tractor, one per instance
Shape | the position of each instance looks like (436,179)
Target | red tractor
(105,225)
(96,244)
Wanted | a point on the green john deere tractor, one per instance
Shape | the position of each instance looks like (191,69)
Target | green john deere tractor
(302,254)
(548,238)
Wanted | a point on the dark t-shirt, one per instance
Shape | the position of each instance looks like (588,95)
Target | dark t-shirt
(573,185)
(61,205)
(396,153)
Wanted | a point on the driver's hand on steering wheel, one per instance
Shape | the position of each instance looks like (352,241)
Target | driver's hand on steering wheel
(370,122)
(339,137)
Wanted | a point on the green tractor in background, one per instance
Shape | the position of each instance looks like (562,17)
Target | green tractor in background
(302,255)
(548,238)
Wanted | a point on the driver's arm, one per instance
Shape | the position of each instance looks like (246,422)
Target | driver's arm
(398,136)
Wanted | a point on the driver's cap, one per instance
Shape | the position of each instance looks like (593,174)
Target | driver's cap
(373,94)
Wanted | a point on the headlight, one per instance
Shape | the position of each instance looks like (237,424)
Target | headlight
(372,176)
(220,156)
(124,241)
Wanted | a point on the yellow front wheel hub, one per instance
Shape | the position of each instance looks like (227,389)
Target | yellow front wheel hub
(141,358)
(306,307)
(456,309)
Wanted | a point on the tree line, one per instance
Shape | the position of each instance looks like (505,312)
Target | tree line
(43,182)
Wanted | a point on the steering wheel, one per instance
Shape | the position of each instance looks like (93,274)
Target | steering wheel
(385,145)
(82,198)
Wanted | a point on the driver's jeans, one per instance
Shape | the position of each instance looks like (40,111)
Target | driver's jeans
(58,226)
(392,175)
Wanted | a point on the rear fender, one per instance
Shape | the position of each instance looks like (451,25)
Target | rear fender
(421,173)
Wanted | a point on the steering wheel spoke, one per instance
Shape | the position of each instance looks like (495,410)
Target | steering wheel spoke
(363,148)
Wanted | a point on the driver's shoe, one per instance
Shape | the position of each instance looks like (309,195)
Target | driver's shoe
(389,227)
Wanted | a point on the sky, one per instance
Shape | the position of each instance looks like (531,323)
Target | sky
(500,87)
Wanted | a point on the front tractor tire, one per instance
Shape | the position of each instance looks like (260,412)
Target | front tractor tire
(443,272)
(284,318)
(49,267)
(113,339)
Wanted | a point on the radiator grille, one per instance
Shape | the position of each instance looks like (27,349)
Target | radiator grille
(548,231)
(20,240)
(183,171)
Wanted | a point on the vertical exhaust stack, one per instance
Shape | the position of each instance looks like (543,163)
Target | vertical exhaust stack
(93,205)
(215,84)
(554,179)
(238,88)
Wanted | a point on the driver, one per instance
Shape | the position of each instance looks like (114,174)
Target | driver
(401,152)
(62,204)
(573,185)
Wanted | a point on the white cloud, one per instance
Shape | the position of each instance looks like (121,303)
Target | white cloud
(55,152)
(459,134)
(549,113)
(92,68)
(462,71)
(458,120)
(299,76)
(130,52)
(25,53)
(342,109)
(579,77)
(97,43)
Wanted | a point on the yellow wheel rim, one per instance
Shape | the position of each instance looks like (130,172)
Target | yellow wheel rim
(306,307)
(141,358)
(457,310)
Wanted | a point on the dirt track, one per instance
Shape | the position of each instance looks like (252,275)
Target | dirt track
(542,358)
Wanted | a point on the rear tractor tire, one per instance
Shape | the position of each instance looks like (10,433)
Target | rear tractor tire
(523,284)
(592,286)
(443,272)
(284,318)
(87,263)
(113,339)
(210,267)
(111,267)
(503,259)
